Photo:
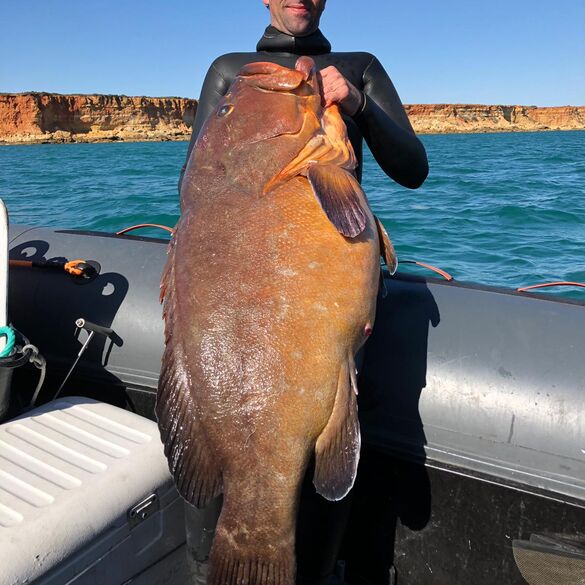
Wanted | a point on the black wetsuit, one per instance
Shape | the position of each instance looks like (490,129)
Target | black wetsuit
(385,127)
(381,121)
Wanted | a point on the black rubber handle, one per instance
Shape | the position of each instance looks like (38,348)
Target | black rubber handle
(89,326)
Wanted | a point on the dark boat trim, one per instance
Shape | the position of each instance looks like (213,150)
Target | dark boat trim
(408,277)
(94,233)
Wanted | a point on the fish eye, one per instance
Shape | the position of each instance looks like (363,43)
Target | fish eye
(225,110)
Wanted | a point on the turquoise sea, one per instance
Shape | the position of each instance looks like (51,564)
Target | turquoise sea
(498,209)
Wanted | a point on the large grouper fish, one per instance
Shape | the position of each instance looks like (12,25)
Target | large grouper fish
(269,291)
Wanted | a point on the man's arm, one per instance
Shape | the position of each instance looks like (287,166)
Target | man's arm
(214,88)
(387,130)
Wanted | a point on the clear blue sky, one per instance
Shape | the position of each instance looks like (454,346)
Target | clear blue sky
(452,51)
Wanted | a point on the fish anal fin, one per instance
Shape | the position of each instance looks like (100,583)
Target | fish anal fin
(337,450)
(196,472)
(386,247)
(340,196)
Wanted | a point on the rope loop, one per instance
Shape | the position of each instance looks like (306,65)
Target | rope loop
(35,357)
(8,332)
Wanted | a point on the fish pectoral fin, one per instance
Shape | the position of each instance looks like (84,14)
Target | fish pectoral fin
(337,450)
(340,196)
(386,247)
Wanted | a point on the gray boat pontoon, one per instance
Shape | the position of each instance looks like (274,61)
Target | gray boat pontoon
(472,403)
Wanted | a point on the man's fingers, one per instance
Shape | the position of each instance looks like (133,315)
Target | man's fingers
(330,76)
(328,71)
(335,93)
(335,88)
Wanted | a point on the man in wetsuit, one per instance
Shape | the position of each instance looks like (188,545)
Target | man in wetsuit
(357,82)
(372,110)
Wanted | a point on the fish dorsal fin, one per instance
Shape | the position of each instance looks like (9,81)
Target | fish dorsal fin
(386,247)
(337,450)
(340,196)
(196,472)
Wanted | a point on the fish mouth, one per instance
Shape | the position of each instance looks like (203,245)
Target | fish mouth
(328,142)
(301,81)
(330,145)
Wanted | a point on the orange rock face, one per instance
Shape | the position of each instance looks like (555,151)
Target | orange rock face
(460,118)
(40,117)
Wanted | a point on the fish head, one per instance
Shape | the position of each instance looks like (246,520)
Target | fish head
(266,119)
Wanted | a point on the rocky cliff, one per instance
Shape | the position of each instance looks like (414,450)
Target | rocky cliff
(455,118)
(42,117)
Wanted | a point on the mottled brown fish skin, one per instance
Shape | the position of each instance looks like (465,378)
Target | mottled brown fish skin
(266,304)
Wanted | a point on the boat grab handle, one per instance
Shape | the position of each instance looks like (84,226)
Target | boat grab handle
(444,274)
(547,284)
(145,225)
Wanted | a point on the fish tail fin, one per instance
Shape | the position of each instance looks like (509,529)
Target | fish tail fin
(228,567)
(254,542)
(233,563)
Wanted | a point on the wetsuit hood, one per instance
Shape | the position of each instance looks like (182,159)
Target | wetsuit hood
(275,41)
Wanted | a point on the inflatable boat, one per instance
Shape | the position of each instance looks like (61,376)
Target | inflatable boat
(472,406)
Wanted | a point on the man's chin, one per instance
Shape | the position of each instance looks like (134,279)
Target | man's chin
(300,27)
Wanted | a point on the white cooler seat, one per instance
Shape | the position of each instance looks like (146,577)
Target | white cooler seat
(86,498)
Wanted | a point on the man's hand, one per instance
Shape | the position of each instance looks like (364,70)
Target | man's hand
(338,90)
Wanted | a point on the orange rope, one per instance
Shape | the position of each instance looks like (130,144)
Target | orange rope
(72,267)
(145,225)
(547,284)
(444,274)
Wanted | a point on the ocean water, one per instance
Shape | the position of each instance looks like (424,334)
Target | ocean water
(497,209)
